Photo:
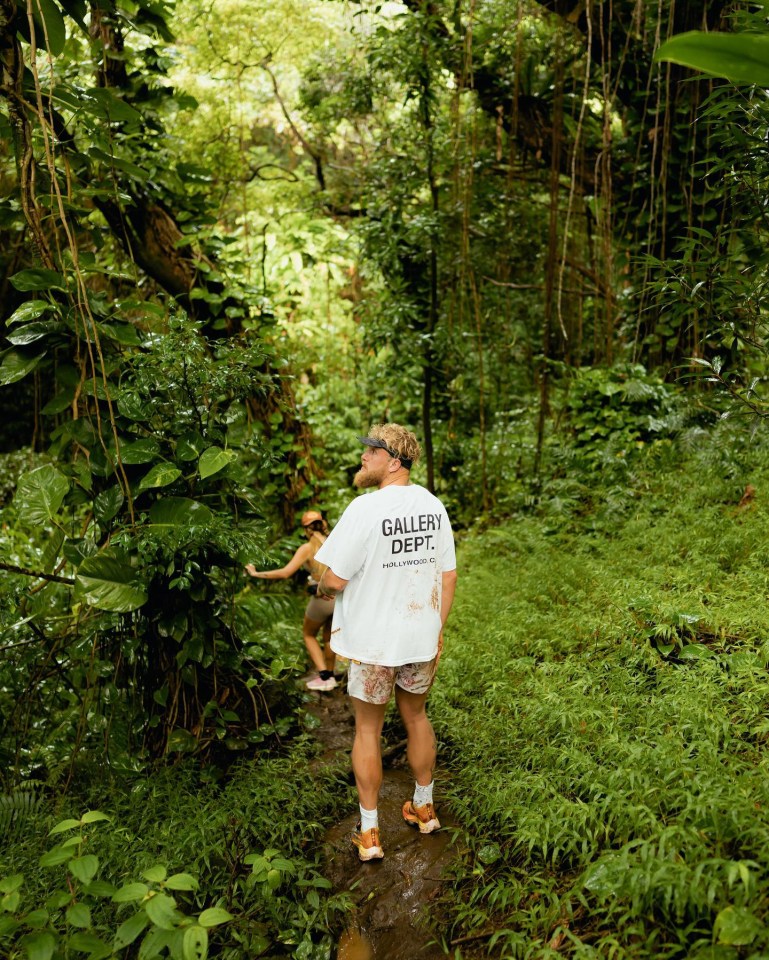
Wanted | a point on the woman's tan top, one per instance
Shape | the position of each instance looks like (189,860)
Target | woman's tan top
(316,569)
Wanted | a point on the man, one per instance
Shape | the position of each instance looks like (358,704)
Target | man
(391,561)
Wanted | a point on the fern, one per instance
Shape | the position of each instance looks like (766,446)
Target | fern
(18,808)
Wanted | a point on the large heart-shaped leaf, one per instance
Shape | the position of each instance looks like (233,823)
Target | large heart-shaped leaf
(79,915)
(38,279)
(16,365)
(30,310)
(108,503)
(213,460)
(108,583)
(140,451)
(39,494)
(131,406)
(189,446)
(33,331)
(740,57)
(179,511)
(84,868)
(159,476)
(122,332)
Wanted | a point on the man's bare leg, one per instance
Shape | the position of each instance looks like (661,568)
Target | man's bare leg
(367,751)
(421,750)
(421,753)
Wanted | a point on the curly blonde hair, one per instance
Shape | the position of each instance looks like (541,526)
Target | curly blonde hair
(397,438)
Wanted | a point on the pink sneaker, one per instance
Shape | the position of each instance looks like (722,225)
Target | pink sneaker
(322,685)
(422,817)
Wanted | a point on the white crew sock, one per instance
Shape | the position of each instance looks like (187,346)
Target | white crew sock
(423,795)
(368,819)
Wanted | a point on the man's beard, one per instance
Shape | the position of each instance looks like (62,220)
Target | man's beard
(364,479)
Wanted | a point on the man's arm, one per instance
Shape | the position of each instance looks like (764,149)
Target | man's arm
(448,586)
(330,584)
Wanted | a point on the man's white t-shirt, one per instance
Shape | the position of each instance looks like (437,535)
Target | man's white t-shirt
(392,545)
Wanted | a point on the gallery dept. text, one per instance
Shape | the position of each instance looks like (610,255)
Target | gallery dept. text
(420,526)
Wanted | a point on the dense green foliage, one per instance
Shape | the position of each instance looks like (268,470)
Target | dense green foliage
(603,703)
(180,865)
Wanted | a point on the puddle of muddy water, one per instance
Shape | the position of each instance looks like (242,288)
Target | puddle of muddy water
(354,946)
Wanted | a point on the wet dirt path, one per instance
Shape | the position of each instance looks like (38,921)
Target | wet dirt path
(394,896)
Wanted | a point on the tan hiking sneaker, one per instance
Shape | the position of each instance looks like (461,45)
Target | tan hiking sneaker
(422,817)
(367,843)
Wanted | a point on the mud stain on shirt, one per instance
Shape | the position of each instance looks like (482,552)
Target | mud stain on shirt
(435,598)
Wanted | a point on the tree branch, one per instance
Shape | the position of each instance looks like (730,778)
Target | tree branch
(310,150)
(38,576)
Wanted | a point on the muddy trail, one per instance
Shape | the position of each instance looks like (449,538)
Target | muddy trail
(393,896)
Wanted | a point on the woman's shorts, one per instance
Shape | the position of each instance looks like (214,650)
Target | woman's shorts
(319,610)
(374,683)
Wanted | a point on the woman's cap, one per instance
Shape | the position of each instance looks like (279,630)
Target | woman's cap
(311,516)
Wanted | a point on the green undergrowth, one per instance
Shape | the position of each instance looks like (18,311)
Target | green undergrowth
(174,864)
(604,707)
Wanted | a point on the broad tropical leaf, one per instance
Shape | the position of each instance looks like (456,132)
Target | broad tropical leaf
(38,279)
(159,476)
(16,365)
(39,494)
(179,511)
(195,943)
(30,310)
(161,910)
(108,503)
(39,946)
(140,451)
(50,31)
(33,331)
(109,584)
(213,460)
(740,57)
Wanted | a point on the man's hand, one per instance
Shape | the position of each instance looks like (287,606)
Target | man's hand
(330,585)
(250,569)
(440,649)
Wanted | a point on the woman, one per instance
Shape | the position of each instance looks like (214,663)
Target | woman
(318,613)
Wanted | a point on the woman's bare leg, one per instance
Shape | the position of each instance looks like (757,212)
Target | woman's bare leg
(328,654)
(310,630)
